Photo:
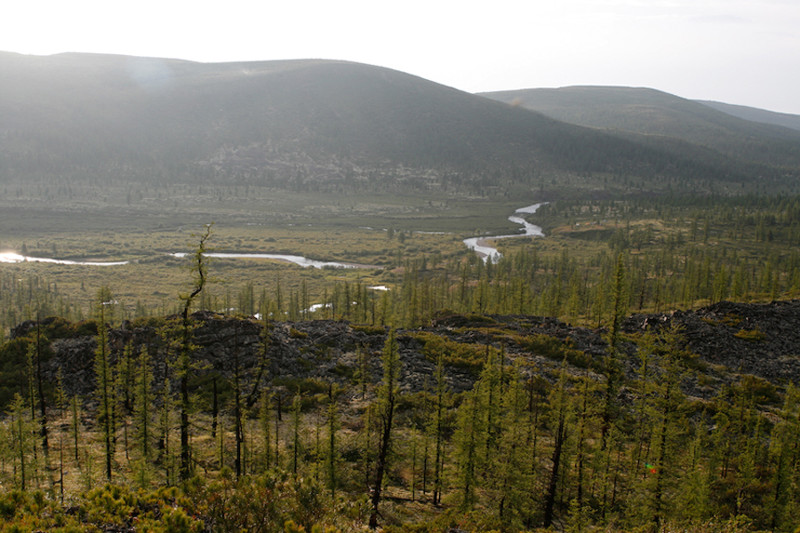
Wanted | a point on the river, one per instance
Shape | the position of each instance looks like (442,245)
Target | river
(11,257)
(296,259)
(479,244)
(489,253)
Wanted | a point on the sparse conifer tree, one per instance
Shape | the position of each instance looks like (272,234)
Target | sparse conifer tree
(143,400)
(437,427)
(297,404)
(333,426)
(559,403)
(21,429)
(388,392)
(200,271)
(104,389)
(265,420)
(468,436)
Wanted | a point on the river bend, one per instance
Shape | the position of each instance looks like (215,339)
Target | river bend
(489,253)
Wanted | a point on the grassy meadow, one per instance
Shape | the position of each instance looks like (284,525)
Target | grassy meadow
(145,227)
(748,244)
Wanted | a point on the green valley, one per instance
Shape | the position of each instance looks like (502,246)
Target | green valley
(632,369)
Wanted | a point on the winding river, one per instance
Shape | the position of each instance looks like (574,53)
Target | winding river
(11,257)
(489,253)
(296,259)
(480,245)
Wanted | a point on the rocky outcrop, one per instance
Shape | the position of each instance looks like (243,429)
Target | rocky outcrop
(729,339)
(758,339)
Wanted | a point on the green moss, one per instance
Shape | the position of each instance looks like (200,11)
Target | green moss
(297,334)
(751,335)
(555,349)
(457,354)
(369,330)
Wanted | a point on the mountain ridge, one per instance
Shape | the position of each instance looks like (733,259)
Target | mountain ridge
(305,124)
(650,112)
(754,114)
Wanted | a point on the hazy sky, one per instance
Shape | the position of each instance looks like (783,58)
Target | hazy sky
(738,51)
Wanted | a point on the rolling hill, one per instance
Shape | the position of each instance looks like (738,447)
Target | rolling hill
(655,116)
(754,114)
(318,125)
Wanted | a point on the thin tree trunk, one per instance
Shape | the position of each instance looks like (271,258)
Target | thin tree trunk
(214,409)
(185,467)
(237,405)
(581,439)
(380,466)
(387,395)
(42,404)
(553,484)
(657,494)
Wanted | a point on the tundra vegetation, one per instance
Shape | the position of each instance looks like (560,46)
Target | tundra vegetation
(679,252)
(590,442)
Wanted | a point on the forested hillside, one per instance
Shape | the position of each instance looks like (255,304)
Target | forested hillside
(753,114)
(650,113)
(310,125)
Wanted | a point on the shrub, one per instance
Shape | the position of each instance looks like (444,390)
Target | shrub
(262,503)
(555,349)
(750,335)
(369,330)
(458,354)
(297,334)
(759,389)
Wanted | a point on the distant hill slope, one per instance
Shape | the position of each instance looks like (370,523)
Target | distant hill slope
(309,124)
(754,114)
(654,113)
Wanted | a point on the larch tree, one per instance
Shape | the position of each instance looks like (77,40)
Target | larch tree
(611,363)
(143,399)
(75,427)
(104,388)
(237,404)
(664,411)
(124,378)
(560,411)
(40,340)
(469,433)
(264,360)
(437,427)
(264,422)
(507,461)
(333,426)
(200,271)
(297,406)
(20,439)
(388,393)
(784,455)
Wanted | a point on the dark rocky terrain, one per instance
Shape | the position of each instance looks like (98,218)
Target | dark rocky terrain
(758,339)
(729,340)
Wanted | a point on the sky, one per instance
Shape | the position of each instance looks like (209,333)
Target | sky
(744,52)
